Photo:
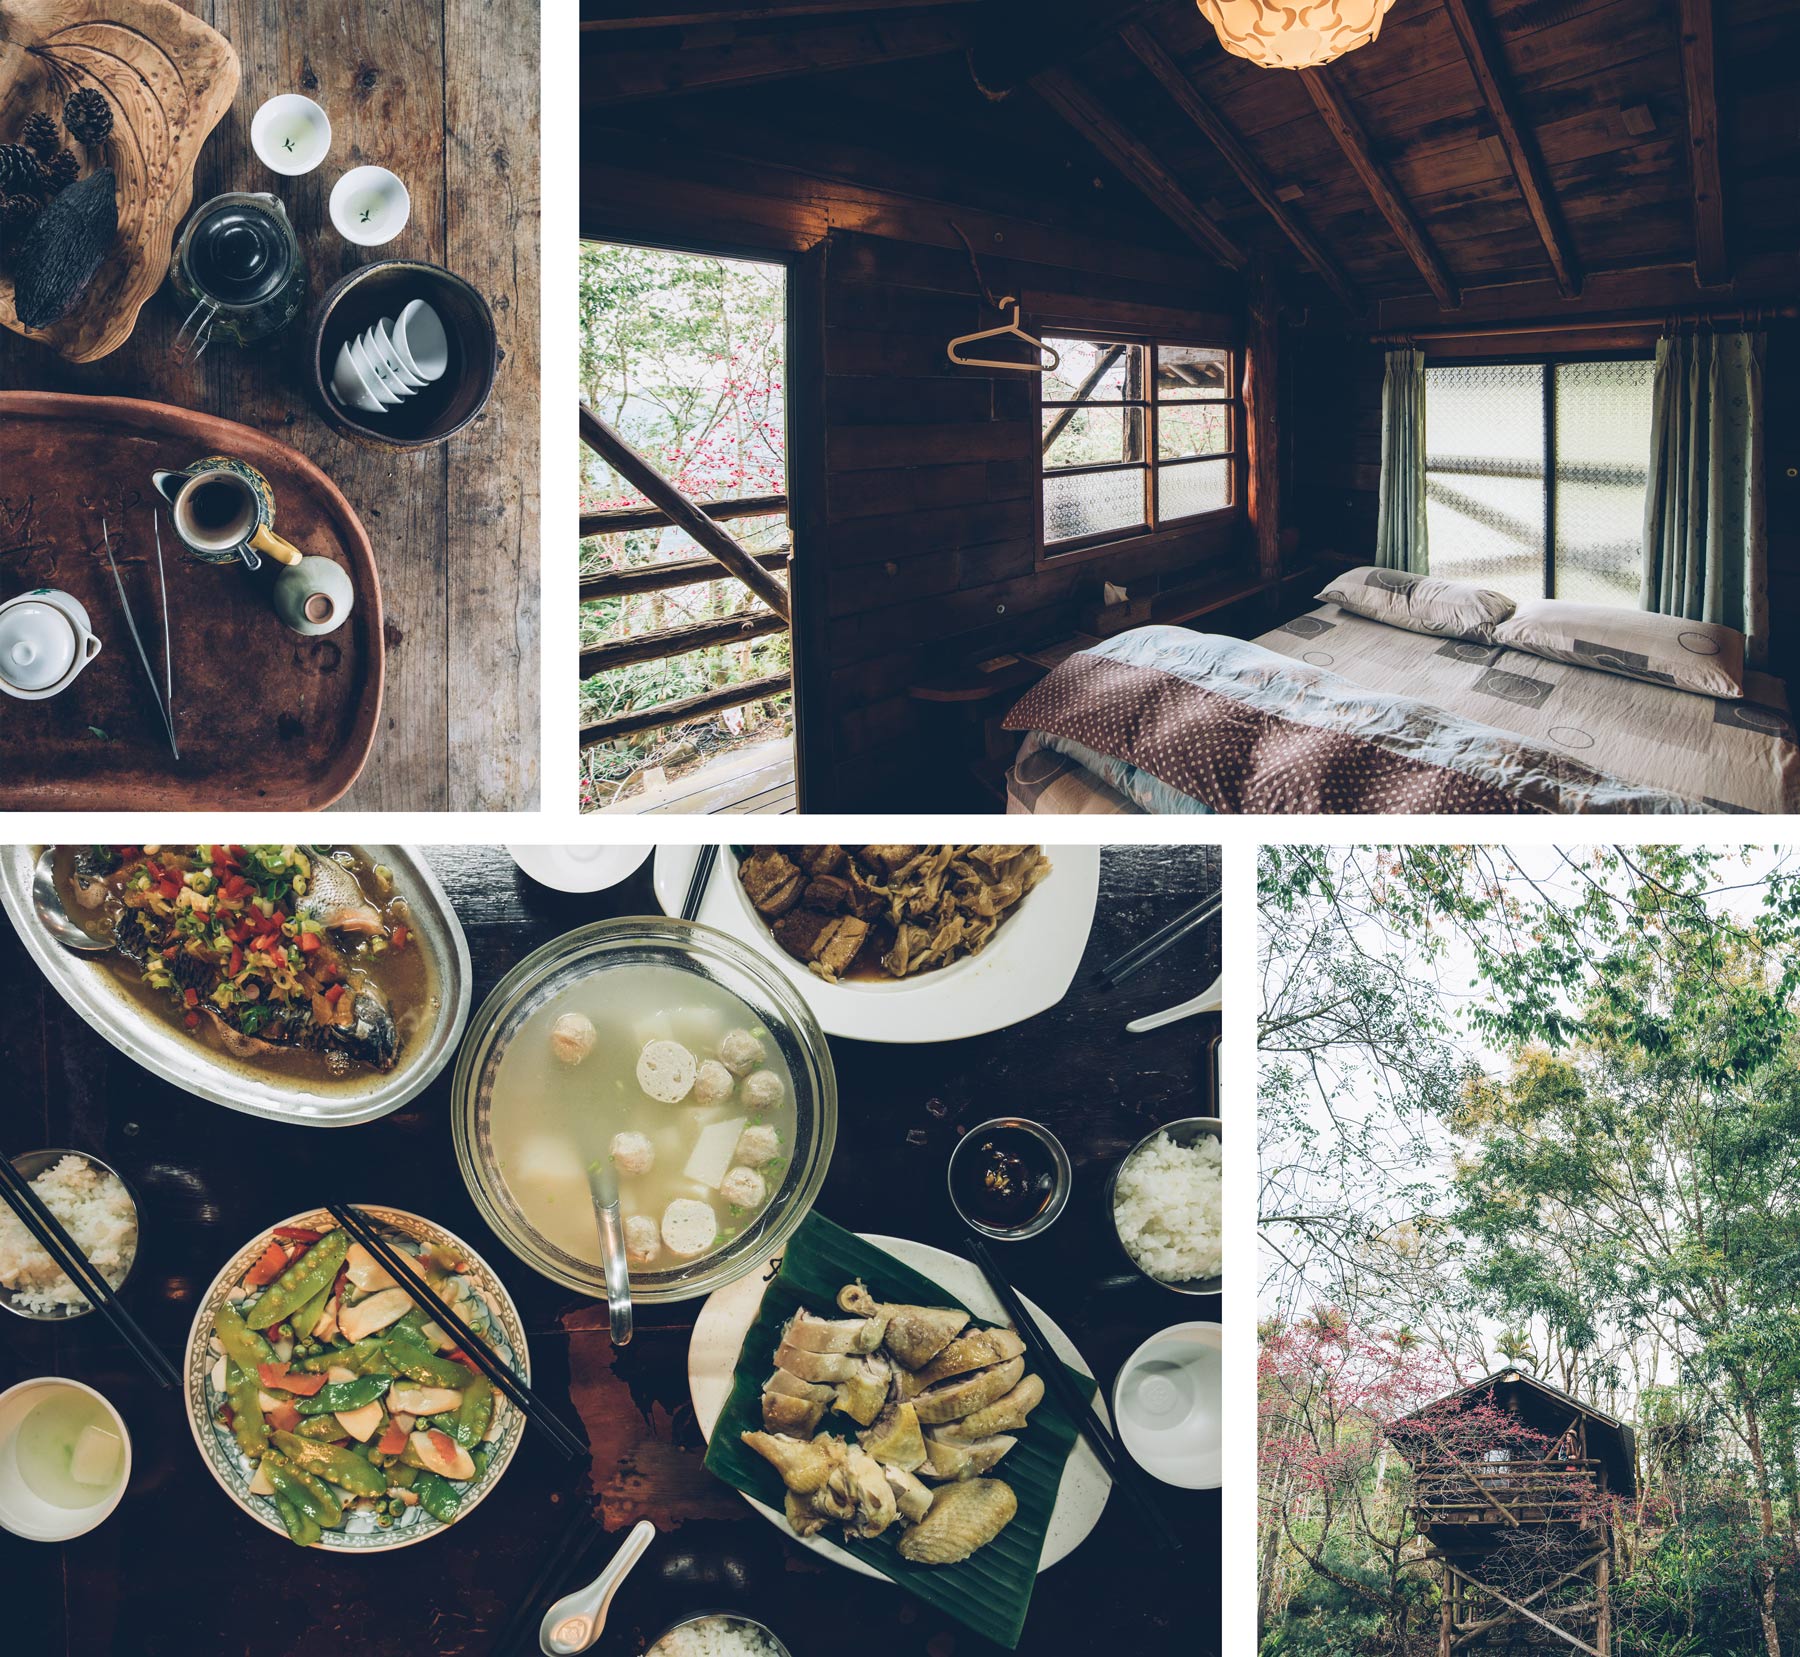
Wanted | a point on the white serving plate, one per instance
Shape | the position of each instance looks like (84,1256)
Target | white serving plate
(726,1318)
(233,1469)
(1027,968)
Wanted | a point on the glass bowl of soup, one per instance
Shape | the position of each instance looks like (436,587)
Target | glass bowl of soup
(681,1055)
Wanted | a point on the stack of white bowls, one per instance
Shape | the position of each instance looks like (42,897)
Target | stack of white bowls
(394,360)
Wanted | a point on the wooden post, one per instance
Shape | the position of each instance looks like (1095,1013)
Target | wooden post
(1447,1611)
(1262,403)
(1603,1593)
(685,514)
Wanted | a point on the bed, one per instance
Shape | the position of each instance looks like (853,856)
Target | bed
(1333,712)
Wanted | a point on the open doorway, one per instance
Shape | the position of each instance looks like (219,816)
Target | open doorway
(686,674)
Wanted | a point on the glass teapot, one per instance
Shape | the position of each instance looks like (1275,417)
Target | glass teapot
(239,264)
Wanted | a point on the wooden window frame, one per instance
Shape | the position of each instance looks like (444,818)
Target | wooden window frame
(1155,529)
(1549,361)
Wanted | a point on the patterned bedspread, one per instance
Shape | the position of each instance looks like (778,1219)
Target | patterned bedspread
(1174,720)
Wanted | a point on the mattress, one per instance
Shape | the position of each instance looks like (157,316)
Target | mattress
(1734,755)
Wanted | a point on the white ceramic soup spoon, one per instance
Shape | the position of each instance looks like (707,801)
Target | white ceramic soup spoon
(574,1622)
(1209,1000)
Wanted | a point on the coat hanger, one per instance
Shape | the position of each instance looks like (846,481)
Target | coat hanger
(1010,330)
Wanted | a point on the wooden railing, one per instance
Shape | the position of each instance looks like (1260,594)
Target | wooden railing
(725,559)
(1504,1492)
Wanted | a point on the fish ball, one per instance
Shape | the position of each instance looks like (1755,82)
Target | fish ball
(572,1037)
(740,1052)
(712,1083)
(632,1153)
(744,1187)
(758,1145)
(643,1242)
(689,1227)
(665,1071)
(764,1090)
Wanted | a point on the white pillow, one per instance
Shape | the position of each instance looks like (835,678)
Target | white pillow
(1640,644)
(1420,603)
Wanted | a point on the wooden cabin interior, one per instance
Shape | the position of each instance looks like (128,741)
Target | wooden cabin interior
(1223,256)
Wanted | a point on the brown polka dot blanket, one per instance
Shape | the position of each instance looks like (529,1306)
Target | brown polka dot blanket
(1174,720)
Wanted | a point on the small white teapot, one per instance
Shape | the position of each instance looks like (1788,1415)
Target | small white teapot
(46,640)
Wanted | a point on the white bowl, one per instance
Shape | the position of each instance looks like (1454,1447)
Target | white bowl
(420,340)
(379,342)
(1166,1402)
(290,134)
(579,868)
(389,381)
(350,384)
(369,206)
(376,381)
(22,1510)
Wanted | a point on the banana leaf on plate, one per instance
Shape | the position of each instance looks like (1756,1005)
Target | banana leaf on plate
(989,1592)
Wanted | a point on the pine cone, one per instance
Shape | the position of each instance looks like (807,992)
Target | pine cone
(39,134)
(60,171)
(18,169)
(16,212)
(88,116)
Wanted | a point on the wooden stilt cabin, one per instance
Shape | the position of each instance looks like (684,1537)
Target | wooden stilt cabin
(1514,1483)
(1414,431)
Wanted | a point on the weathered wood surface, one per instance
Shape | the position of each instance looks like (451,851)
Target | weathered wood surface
(455,529)
(266,720)
(179,1572)
(169,78)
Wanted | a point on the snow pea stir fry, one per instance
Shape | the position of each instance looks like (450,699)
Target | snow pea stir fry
(343,1392)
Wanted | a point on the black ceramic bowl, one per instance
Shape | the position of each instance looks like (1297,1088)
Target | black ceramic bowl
(374,292)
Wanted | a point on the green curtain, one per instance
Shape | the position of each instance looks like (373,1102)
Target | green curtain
(1706,541)
(1400,529)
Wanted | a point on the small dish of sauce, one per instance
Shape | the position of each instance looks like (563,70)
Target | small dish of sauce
(1009,1178)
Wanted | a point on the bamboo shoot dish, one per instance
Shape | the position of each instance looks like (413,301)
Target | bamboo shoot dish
(887,912)
(284,958)
(354,1409)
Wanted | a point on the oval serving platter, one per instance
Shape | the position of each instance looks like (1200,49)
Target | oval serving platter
(108,1006)
(233,1470)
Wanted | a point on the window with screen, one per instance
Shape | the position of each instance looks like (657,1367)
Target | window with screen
(1137,435)
(1535,474)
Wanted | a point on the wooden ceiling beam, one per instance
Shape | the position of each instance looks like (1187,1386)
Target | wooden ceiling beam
(1151,53)
(1072,101)
(1475,32)
(1699,82)
(616,75)
(1343,125)
(641,15)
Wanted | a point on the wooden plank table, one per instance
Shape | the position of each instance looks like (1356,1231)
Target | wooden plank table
(178,1571)
(445,92)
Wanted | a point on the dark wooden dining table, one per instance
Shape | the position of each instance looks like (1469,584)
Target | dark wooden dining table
(179,1571)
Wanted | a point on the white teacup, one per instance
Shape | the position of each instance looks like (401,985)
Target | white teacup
(22,1510)
(369,206)
(46,639)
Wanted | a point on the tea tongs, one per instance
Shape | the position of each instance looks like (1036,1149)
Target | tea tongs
(163,707)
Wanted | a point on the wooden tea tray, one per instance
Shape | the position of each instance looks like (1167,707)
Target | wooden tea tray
(170,79)
(266,719)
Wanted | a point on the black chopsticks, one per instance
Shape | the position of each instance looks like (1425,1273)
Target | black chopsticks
(357,1223)
(1141,954)
(1119,1466)
(521,1631)
(696,892)
(81,1271)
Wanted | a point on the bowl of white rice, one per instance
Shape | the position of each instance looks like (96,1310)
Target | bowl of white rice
(97,1210)
(717,1634)
(1166,1201)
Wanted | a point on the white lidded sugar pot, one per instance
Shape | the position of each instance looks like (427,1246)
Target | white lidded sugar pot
(46,640)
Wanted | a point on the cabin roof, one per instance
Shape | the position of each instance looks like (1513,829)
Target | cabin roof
(1545,1409)
(1526,145)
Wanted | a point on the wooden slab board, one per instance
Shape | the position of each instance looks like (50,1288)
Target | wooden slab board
(266,719)
(170,79)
